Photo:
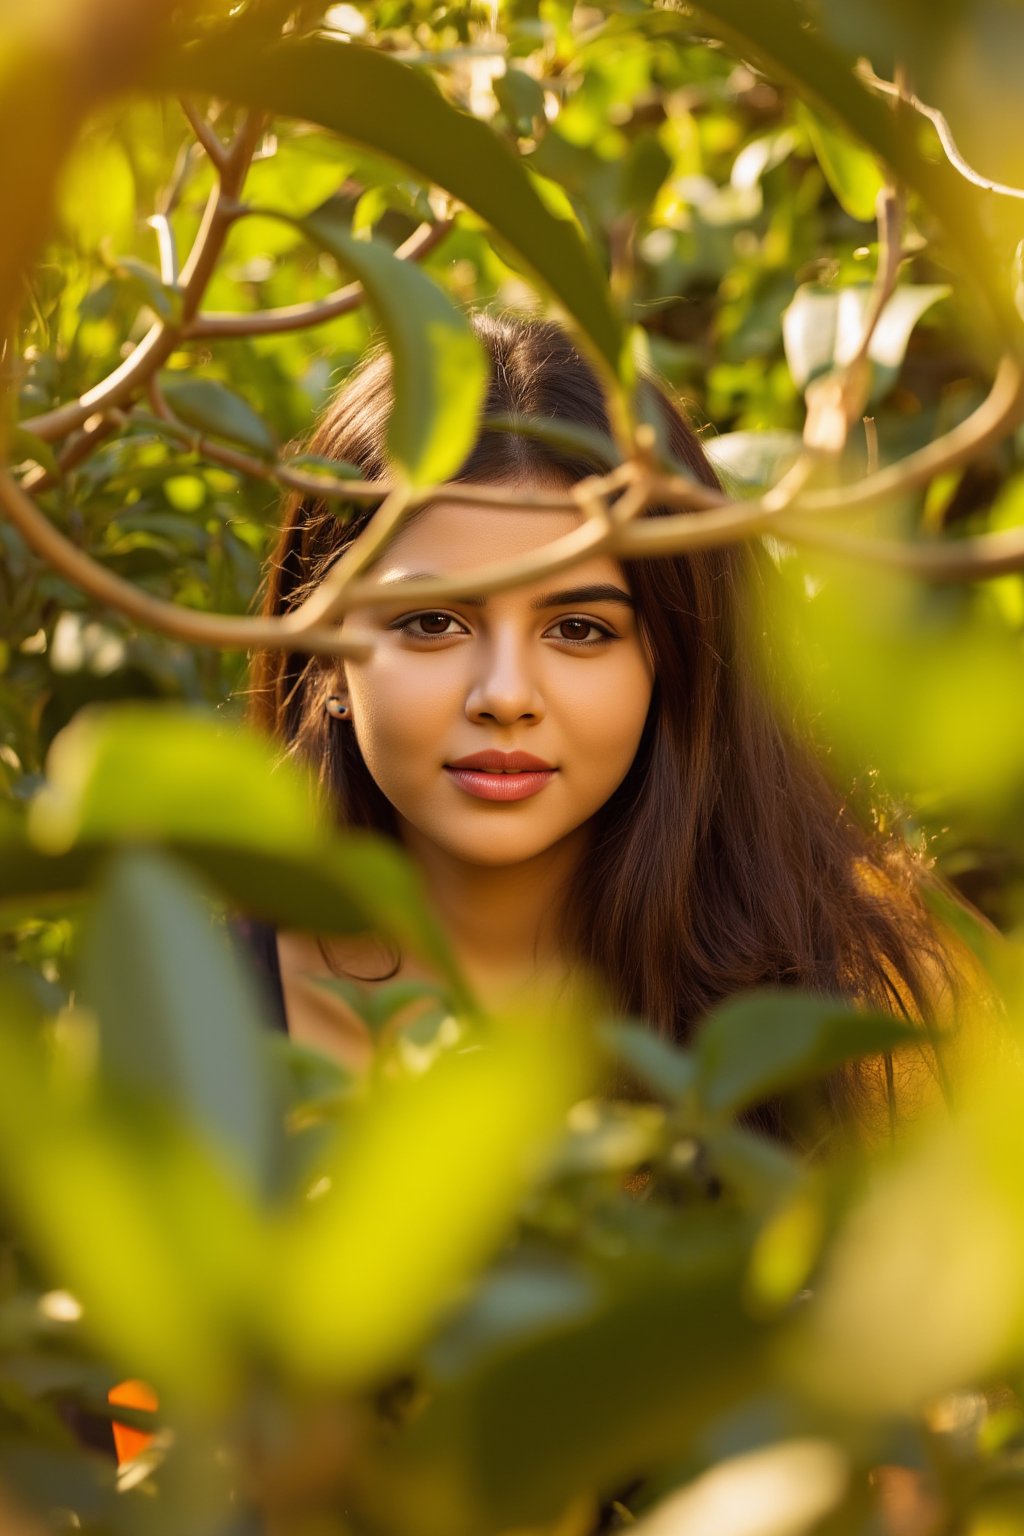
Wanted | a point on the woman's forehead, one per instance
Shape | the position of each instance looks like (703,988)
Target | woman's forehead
(448,538)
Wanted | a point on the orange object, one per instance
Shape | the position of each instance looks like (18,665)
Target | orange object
(131,1394)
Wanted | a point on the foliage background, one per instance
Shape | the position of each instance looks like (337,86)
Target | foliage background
(712,192)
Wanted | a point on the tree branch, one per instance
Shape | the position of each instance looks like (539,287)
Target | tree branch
(205,133)
(162,338)
(942,128)
(979,557)
(298,317)
(225,631)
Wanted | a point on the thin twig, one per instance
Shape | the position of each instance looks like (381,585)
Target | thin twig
(945,133)
(298,317)
(162,338)
(835,401)
(729,523)
(205,133)
(166,247)
(328,601)
(975,558)
(225,631)
(96,430)
(590,538)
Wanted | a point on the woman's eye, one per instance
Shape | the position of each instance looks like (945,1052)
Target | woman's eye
(428,625)
(581,631)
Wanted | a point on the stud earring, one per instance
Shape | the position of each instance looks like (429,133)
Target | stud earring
(336,707)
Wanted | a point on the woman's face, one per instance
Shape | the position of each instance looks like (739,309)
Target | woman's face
(556,670)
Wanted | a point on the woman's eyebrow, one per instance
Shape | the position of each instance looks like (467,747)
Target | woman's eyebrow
(598,592)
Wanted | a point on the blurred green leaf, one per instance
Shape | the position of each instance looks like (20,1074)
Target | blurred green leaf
(213,408)
(758,1169)
(87,1183)
(852,173)
(378,1003)
(569,436)
(761,1043)
(643,172)
(247,823)
(148,287)
(440,368)
(594,1387)
(521,98)
(823,329)
(179,1018)
(921,1290)
(357,1288)
(96,196)
(663,1068)
(923,689)
(753,461)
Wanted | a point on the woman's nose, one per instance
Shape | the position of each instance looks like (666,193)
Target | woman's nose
(504,688)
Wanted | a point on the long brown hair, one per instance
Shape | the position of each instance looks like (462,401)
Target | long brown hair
(726,859)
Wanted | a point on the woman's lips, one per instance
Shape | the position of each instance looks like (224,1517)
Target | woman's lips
(488,785)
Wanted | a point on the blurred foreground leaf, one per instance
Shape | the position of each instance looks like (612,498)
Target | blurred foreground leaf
(420,1189)
(763,1042)
(179,1018)
(249,825)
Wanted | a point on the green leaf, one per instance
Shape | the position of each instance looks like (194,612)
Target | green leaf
(774,35)
(823,329)
(568,436)
(149,772)
(247,823)
(521,98)
(440,367)
(386,106)
(663,1068)
(761,1171)
(25,445)
(753,461)
(377,1005)
(179,1018)
(609,1138)
(149,288)
(211,407)
(580,1389)
(643,172)
(478,1122)
(853,174)
(764,1042)
(809,332)
(96,196)
(331,469)
(85,1181)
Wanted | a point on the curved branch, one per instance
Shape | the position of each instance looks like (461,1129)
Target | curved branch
(205,133)
(161,339)
(298,317)
(589,538)
(334,487)
(941,125)
(225,631)
(977,558)
(728,523)
(1000,411)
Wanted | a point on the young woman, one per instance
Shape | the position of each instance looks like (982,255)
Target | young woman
(589,771)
